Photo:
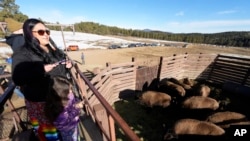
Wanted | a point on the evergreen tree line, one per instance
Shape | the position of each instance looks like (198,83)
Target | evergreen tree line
(237,39)
(8,9)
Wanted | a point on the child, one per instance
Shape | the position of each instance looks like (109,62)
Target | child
(63,109)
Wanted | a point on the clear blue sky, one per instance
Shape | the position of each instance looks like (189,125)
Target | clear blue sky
(177,16)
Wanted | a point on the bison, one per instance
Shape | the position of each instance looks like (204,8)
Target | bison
(185,86)
(154,98)
(188,81)
(202,90)
(227,118)
(172,88)
(200,102)
(194,127)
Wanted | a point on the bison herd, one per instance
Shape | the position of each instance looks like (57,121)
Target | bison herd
(198,111)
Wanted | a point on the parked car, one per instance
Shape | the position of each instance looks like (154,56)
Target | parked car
(114,46)
(123,45)
(72,48)
(132,45)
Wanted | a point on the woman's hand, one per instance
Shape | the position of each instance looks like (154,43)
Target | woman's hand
(68,64)
(49,67)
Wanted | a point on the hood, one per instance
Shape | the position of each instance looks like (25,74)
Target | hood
(15,41)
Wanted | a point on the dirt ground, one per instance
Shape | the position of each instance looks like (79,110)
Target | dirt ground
(99,57)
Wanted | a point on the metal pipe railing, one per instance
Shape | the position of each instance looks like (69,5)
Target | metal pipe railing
(5,98)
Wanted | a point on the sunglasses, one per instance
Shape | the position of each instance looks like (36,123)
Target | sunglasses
(41,32)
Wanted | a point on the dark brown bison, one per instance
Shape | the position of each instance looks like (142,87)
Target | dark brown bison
(172,88)
(176,81)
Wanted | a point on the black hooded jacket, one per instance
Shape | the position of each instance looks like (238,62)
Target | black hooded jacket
(28,72)
(15,41)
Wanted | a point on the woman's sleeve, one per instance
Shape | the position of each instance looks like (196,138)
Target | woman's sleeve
(25,71)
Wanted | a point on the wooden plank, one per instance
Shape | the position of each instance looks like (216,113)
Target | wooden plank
(125,85)
(118,90)
(124,70)
(99,76)
(224,78)
(169,74)
(193,63)
(124,78)
(108,83)
(125,82)
(172,62)
(229,62)
(106,92)
(89,129)
(173,68)
(172,71)
(231,66)
(228,74)
(101,82)
(122,65)
(128,74)
(231,71)
(234,56)
(107,86)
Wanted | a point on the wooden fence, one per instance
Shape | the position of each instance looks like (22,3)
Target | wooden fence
(231,68)
(218,68)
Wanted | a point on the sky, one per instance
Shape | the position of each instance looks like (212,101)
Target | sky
(176,16)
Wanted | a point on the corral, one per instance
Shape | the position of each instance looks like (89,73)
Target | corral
(117,84)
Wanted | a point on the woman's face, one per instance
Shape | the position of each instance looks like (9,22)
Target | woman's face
(41,33)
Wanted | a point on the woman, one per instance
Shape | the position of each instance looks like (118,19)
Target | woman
(32,66)
(63,109)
